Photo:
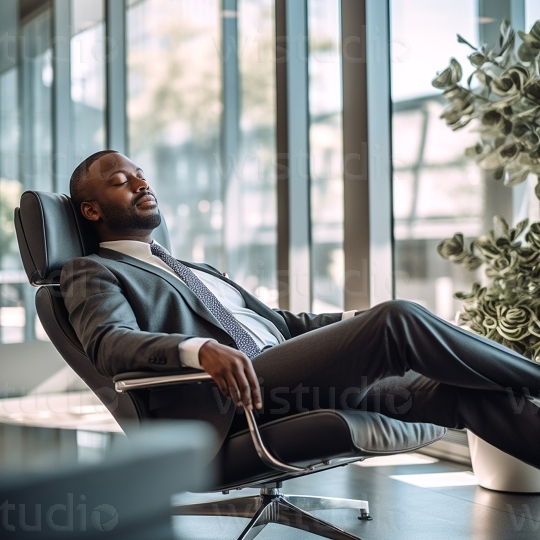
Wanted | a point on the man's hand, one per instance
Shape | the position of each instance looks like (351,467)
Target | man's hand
(233,373)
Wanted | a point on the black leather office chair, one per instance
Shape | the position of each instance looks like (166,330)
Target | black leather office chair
(50,233)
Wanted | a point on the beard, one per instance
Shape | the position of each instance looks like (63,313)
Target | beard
(127,219)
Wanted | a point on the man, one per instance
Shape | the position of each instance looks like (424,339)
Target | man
(136,308)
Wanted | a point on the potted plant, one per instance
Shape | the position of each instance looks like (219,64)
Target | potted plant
(506,310)
(502,96)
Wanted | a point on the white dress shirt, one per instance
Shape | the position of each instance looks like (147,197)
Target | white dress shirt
(263,332)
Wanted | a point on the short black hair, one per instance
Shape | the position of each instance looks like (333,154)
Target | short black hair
(77,188)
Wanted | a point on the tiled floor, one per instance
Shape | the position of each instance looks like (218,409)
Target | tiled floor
(449,506)
(66,410)
(400,510)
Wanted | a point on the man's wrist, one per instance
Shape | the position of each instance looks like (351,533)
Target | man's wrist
(189,351)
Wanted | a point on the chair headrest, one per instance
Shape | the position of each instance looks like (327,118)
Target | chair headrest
(50,232)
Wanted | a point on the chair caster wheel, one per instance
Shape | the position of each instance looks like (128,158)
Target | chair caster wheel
(364,516)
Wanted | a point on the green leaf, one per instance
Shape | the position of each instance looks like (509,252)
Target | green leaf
(456,69)
(451,115)
(528,50)
(452,248)
(477,59)
(475,150)
(472,262)
(513,178)
(457,92)
(503,86)
(490,161)
(492,118)
(499,141)
(463,40)
(448,77)
(443,79)
(528,38)
(500,226)
(482,77)
(508,152)
(505,32)
(520,227)
(530,140)
(520,129)
(535,30)
(533,92)
(461,124)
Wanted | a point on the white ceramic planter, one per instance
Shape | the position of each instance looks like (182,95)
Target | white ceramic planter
(499,471)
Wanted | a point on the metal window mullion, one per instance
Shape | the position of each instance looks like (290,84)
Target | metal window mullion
(282,158)
(230,137)
(9,21)
(116,75)
(379,106)
(368,224)
(355,155)
(63,151)
(294,224)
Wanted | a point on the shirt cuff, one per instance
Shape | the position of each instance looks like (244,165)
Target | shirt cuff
(188,351)
(348,314)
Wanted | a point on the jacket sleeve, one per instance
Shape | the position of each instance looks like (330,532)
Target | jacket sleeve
(301,323)
(106,324)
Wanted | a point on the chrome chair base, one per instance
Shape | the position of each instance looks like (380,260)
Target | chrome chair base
(271,506)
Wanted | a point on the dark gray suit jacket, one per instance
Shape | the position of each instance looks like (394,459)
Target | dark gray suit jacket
(131,316)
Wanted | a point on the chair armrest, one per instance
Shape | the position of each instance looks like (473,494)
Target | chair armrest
(144,379)
(136,380)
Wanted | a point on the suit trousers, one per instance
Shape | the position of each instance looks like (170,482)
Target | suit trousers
(399,359)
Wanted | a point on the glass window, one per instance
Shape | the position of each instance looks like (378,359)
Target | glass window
(532,13)
(174,107)
(525,202)
(12,278)
(437,190)
(17,316)
(87,77)
(37,81)
(25,163)
(326,149)
(251,249)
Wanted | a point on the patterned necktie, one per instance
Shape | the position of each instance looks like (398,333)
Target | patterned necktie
(243,340)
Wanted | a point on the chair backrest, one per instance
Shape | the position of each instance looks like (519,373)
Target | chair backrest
(50,232)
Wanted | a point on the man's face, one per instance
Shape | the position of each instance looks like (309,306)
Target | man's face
(122,198)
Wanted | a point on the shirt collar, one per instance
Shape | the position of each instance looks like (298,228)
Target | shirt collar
(133,248)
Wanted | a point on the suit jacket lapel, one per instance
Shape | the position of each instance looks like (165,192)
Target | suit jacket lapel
(191,299)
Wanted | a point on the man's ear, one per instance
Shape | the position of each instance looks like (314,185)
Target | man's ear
(90,210)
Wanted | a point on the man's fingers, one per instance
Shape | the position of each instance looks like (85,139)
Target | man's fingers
(246,393)
(254,384)
(233,373)
(222,385)
(245,389)
(232,385)
(242,386)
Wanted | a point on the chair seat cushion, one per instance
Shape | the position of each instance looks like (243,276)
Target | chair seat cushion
(316,436)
